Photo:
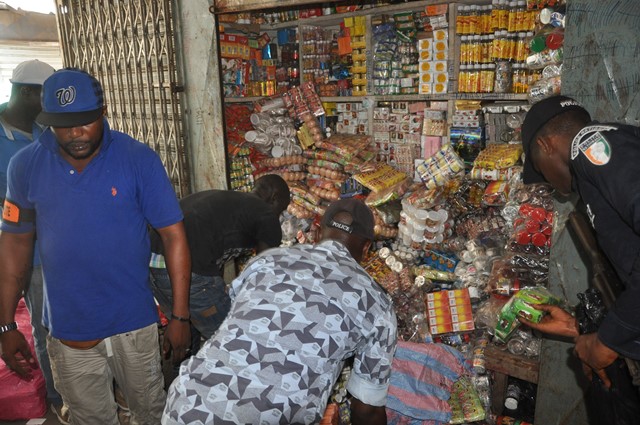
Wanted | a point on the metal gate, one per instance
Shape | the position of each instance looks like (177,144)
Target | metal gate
(129,46)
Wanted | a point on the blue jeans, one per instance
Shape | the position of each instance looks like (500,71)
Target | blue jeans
(34,299)
(208,301)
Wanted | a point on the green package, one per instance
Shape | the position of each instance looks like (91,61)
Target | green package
(520,305)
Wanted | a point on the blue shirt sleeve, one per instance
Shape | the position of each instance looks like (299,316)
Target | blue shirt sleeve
(17,202)
(159,201)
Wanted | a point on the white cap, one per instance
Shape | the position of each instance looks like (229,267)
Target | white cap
(31,72)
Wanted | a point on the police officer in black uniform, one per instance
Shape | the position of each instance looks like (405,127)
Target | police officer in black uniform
(600,162)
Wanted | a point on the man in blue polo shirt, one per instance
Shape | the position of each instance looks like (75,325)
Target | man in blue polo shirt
(89,193)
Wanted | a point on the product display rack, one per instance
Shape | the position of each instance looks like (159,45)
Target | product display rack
(370,14)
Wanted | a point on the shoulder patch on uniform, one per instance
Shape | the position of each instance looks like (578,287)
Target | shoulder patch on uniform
(584,134)
(596,149)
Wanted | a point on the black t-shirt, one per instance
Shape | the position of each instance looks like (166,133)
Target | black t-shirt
(221,225)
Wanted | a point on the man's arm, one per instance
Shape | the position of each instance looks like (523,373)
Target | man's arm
(178,260)
(366,414)
(16,253)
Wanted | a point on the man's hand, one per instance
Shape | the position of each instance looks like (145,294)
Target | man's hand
(557,322)
(177,338)
(365,414)
(17,354)
(595,356)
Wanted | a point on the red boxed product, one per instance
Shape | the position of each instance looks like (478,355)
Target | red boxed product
(21,399)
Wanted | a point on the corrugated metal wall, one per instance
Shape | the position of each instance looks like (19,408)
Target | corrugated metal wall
(129,46)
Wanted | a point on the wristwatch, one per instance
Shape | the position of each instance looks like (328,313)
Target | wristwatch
(8,327)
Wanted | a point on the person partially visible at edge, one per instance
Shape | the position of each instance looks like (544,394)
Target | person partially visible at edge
(89,193)
(298,313)
(18,128)
(220,226)
(598,161)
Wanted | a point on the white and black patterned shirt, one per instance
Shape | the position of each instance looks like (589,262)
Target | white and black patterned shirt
(298,314)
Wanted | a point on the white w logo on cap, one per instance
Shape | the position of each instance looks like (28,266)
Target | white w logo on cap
(66,95)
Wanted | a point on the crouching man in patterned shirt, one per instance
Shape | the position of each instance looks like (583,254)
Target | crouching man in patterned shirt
(297,314)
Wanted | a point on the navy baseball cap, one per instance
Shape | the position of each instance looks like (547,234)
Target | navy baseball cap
(70,98)
(541,113)
(362,218)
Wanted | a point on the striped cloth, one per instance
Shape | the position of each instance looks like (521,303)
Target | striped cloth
(422,376)
(157,261)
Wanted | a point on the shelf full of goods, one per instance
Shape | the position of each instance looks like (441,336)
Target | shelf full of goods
(462,246)
(505,49)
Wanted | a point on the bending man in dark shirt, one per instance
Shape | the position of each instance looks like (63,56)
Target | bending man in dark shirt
(221,225)
(599,161)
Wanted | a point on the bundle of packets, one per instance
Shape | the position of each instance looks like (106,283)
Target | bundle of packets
(465,403)
(449,311)
(441,167)
(521,305)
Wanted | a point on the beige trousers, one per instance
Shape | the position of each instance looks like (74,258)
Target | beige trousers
(84,378)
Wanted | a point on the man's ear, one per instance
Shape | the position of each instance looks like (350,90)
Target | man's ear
(545,144)
(365,249)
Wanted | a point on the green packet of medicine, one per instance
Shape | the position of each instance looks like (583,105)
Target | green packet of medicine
(520,305)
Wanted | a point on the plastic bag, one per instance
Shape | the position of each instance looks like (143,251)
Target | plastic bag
(19,398)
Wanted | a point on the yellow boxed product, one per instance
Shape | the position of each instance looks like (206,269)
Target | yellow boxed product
(440,46)
(358,70)
(425,66)
(440,56)
(441,329)
(463,326)
(425,44)
(348,22)
(439,88)
(359,81)
(426,88)
(440,35)
(440,66)
(440,77)
(426,77)
(358,30)
(426,55)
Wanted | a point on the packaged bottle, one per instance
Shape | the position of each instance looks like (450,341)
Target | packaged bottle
(544,88)
(545,58)
(538,42)
(479,359)
(503,77)
(495,15)
(555,39)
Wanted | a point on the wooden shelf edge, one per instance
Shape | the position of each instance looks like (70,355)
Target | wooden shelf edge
(506,363)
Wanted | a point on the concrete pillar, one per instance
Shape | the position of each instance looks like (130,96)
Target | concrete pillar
(197,51)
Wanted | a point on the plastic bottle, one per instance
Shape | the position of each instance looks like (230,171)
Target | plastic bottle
(463,79)
(544,88)
(512,399)
(460,20)
(521,11)
(503,21)
(513,13)
(542,59)
(494,21)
